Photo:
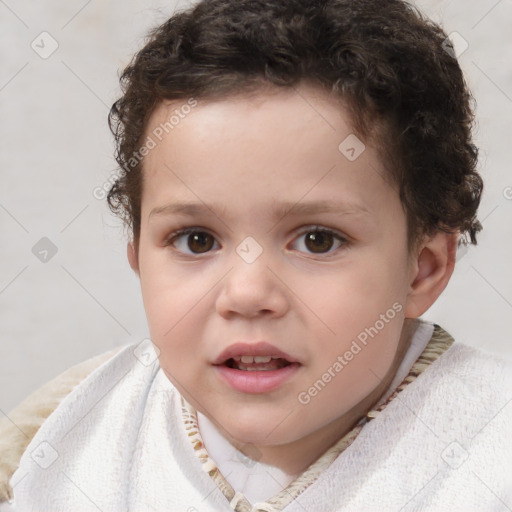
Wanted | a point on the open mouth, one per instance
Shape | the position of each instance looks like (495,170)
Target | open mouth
(256,374)
(256,363)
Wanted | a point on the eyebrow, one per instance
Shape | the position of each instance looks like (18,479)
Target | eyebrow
(279,210)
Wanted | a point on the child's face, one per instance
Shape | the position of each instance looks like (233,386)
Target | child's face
(244,163)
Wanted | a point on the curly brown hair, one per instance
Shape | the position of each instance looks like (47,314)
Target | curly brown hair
(391,66)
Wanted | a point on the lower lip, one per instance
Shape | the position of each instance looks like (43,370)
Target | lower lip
(256,381)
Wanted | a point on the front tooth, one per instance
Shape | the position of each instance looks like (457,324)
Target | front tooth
(247,359)
(262,359)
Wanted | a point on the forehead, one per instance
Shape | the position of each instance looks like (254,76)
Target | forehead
(279,144)
(306,106)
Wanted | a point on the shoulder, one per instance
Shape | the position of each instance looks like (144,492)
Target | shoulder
(19,427)
(480,380)
(468,363)
(461,361)
(468,406)
(466,395)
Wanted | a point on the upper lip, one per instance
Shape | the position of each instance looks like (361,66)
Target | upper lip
(260,348)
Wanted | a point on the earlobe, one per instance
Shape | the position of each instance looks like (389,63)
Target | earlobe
(433,268)
(133,258)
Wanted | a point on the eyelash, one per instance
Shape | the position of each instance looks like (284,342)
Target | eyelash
(344,242)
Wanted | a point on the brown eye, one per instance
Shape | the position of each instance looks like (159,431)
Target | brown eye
(319,241)
(192,241)
(200,242)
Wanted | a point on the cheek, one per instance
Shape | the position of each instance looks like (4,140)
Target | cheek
(350,365)
(173,301)
(360,317)
(347,301)
(177,328)
(173,316)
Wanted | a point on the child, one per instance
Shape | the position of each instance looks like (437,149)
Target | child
(321,152)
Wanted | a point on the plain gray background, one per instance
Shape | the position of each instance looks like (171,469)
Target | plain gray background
(55,149)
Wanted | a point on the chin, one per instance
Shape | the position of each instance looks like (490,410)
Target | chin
(262,428)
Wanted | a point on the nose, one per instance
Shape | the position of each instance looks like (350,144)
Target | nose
(251,290)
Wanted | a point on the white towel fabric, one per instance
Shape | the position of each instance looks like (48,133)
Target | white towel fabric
(117,443)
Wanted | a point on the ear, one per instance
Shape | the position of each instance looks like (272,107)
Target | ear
(431,270)
(133,257)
